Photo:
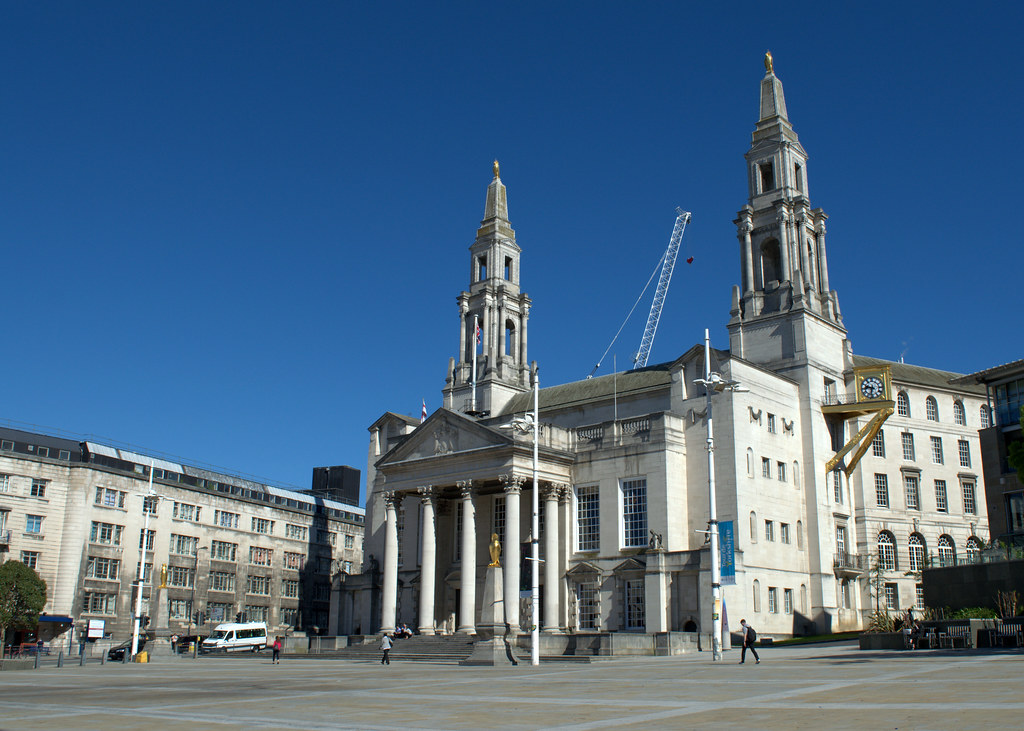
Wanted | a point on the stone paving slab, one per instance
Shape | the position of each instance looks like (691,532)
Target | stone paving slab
(832,686)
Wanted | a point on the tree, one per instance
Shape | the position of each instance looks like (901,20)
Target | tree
(22,597)
(1015,455)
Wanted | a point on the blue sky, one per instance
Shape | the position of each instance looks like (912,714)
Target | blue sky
(234,232)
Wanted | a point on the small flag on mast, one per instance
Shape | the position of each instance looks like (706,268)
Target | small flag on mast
(478,333)
(423,414)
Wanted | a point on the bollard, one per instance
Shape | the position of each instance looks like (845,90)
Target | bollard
(81,657)
(36,666)
(103,658)
(60,659)
(125,658)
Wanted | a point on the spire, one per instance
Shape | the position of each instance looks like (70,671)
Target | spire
(774,119)
(496,205)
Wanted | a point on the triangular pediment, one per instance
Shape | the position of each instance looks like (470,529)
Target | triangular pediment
(630,565)
(444,433)
(582,571)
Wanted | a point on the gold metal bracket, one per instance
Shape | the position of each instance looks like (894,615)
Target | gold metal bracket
(863,438)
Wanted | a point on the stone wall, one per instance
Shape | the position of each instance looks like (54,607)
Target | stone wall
(972,585)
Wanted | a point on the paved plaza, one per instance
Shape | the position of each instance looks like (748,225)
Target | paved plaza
(833,686)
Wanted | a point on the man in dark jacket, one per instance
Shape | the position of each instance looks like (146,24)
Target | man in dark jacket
(749,638)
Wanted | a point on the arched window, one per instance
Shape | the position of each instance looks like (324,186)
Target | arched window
(902,404)
(986,422)
(803,598)
(757,595)
(771,267)
(800,534)
(796,475)
(750,462)
(947,551)
(917,552)
(931,409)
(959,415)
(887,551)
(753,527)
(973,550)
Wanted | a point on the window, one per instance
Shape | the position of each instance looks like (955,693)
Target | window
(773,600)
(767,176)
(892,597)
(290,588)
(634,513)
(257,585)
(42,451)
(38,488)
(109,498)
(346,567)
(30,559)
(94,602)
(105,533)
(262,525)
(940,496)
(983,415)
(149,503)
(225,519)
(180,576)
(878,444)
(844,593)
(98,567)
(4,513)
(919,596)
(837,486)
(887,551)
(947,551)
(498,518)
(798,177)
(220,612)
(787,601)
(902,404)
(326,537)
(881,490)
(64,455)
(830,391)
(756,590)
(256,613)
(973,550)
(959,415)
(931,409)
(769,530)
(796,475)
(150,537)
(587,606)
(260,556)
(800,535)
(771,423)
(289,616)
(766,467)
(588,524)
(185,511)
(146,575)
(7,444)
(179,609)
(937,450)
(841,543)
(907,439)
(753,527)
(293,561)
(916,546)
(970,507)
(750,462)
(350,541)
(184,545)
(964,447)
(913,491)
(298,532)
(222,581)
(784,532)
(780,470)
(33,523)
(5,483)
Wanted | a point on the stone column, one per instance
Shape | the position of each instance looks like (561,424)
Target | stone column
(747,254)
(467,603)
(428,495)
(550,493)
(822,261)
(785,274)
(513,485)
(389,598)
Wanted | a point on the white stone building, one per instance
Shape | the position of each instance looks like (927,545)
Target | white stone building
(74,511)
(623,464)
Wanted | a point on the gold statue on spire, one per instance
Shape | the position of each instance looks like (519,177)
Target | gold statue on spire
(769,66)
(495,168)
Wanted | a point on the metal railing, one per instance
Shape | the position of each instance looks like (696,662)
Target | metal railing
(851,561)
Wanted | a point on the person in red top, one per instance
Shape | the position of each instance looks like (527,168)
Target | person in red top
(277,650)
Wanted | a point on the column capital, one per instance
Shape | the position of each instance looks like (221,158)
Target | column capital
(512,483)
(392,498)
(465,488)
(427,493)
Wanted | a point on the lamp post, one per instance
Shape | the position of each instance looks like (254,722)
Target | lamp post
(148,500)
(192,612)
(714,383)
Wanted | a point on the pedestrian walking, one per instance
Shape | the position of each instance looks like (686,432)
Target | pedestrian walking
(277,650)
(749,638)
(385,645)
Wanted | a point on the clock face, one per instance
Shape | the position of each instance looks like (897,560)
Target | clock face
(872,387)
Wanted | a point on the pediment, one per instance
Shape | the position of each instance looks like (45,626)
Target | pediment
(630,565)
(445,433)
(583,570)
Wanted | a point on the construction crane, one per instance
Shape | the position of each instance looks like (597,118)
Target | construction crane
(667,264)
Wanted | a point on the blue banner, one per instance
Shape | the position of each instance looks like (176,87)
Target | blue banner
(727,552)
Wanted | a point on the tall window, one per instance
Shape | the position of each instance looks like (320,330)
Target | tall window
(983,415)
(780,471)
(913,490)
(800,534)
(787,601)
(149,504)
(940,496)
(766,467)
(147,537)
(753,527)
(784,532)
(931,409)
(886,551)
(902,404)
(769,530)
(837,486)
(970,506)
(959,415)
(634,512)
(844,593)
(937,450)
(947,551)
(771,423)
(916,546)
(38,488)
(498,524)
(31,559)
(841,542)
(635,604)
(878,444)
(907,440)
(881,490)
(756,589)
(964,448)
(892,597)
(5,482)
(973,550)
(588,516)
(587,605)
(773,600)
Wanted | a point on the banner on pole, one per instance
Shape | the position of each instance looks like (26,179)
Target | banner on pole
(726,551)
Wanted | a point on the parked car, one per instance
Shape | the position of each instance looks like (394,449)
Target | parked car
(116,653)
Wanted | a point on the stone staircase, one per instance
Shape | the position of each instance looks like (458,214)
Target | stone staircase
(438,648)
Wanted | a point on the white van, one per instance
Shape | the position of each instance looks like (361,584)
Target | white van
(232,636)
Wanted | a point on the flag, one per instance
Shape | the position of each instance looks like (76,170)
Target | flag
(423,414)
(478,333)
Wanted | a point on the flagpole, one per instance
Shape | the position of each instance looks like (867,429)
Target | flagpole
(476,341)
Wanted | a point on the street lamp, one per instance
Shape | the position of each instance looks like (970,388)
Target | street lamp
(149,499)
(192,602)
(714,383)
(523,424)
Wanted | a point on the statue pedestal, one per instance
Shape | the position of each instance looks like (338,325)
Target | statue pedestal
(159,634)
(493,647)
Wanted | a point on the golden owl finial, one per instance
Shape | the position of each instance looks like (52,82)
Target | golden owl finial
(495,549)
(495,168)
(769,66)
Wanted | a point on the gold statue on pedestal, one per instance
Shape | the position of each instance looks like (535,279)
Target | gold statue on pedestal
(769,65)
(163,577)
(495,549)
